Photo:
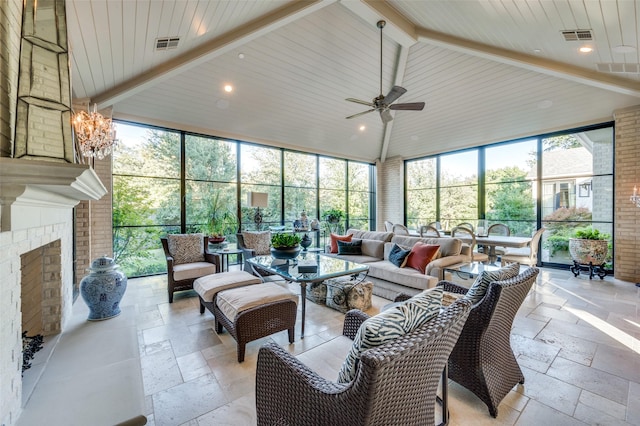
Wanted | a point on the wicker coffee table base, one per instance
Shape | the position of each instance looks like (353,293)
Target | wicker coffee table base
(255,323)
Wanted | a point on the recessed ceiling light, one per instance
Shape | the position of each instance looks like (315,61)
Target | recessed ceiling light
(240,55)
(362,128)
(624,49)
(537,50)
(228,88)
(586,49)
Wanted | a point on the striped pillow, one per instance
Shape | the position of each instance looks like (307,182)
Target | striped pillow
(389,325)
(479,287)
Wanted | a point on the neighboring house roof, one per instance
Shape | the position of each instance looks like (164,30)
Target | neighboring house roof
(565,162)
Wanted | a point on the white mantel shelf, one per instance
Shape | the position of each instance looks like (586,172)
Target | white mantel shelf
(28,184)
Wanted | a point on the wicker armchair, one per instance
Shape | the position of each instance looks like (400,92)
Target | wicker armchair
(396,383)
(482,360)
(181,276)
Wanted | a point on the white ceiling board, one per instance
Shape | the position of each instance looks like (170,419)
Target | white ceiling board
(291,87)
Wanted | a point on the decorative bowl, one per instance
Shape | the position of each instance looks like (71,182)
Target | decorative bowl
(285,252)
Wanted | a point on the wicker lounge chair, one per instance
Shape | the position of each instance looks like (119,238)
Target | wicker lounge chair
(395,384)
(482,360)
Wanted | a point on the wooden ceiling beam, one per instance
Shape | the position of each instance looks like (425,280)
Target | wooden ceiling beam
(530,62)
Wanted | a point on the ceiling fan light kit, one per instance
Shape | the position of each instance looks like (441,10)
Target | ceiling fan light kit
(383,104)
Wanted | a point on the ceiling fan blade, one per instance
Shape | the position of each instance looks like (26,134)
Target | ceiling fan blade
(358,101)
(360,113)
(386,116)
(410,106)
(394,93)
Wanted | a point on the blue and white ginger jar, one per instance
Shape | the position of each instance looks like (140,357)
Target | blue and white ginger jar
(103,289)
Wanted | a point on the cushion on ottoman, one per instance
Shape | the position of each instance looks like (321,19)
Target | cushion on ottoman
(343,294)
(209,285)
(232,302)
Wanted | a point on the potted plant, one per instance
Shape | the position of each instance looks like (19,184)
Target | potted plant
(589,246)
(285,245)
(333,215)
(221,220)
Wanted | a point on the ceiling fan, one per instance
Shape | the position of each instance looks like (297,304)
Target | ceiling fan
(383,104)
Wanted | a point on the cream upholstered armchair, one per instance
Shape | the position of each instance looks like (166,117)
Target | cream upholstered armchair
(188,258)
(525,255)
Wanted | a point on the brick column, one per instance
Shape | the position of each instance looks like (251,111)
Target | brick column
(627,174)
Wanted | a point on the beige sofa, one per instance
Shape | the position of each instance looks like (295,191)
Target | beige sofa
(388,279)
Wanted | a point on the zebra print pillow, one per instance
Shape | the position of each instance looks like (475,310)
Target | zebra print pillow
(479,287)
(389,325)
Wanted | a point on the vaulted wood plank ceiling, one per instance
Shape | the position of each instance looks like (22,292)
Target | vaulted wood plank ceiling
(488,70)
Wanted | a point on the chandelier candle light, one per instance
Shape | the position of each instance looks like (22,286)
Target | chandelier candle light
(635,198)
(96,134)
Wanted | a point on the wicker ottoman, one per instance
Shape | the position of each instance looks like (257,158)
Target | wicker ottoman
(251,312)
(209,286)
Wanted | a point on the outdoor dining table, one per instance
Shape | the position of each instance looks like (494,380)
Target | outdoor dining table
(493,241)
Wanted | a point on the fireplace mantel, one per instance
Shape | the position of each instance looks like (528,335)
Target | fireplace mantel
(31,190)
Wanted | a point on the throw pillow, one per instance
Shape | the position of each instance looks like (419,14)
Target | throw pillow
(479,287)
(335,238)
(260,242)
(186,248)
(398,256)
(352,247)
(420,256)
(389,325)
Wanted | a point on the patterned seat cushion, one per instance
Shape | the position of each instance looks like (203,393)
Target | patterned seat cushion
(389,325)
(259,242)
(479,287)
(186,248)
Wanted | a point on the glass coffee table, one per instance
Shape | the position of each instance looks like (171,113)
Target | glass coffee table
(327,267)
(466,273)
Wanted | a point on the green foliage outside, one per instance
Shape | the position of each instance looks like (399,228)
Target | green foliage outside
(561,225)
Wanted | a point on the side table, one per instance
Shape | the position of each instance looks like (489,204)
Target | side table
(224,254)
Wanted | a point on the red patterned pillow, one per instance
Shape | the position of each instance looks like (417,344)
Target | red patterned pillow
(420,256)
(335,238)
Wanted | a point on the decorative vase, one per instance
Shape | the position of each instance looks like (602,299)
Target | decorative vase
(306,242)
(285,252)
(588,251)
(103,288)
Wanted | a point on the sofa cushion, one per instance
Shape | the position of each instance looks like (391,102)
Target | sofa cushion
(479,287)
(373,248)
(335,238)
(371,235)
(408,277)
(398,256)
(420,256)
(259,242)
(448,246)
(349,247)
(186,248)
(389,325)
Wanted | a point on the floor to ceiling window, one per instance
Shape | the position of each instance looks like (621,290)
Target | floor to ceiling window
(561,181)
(170,182)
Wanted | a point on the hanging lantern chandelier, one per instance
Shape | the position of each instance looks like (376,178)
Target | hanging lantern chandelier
(96,134)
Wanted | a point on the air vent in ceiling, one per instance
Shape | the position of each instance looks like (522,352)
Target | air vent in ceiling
(618,67)
(577,35)
(165,43)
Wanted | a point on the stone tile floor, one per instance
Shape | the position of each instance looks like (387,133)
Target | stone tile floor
(577,341)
